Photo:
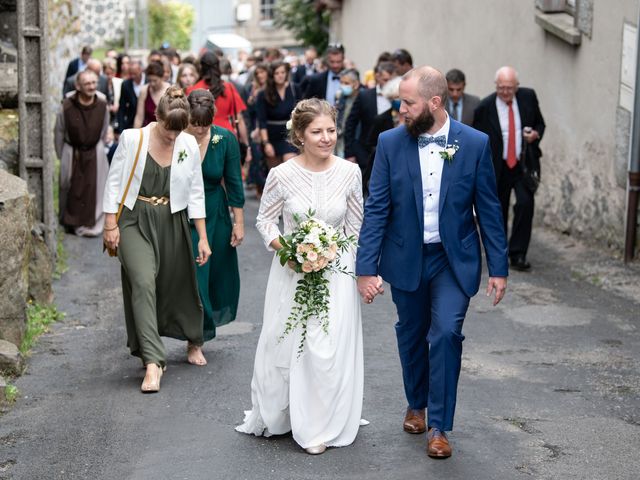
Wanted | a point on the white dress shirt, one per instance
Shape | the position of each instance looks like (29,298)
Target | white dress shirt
(138,86)
(332,86)
(382,102)
(431,164)
(503,116)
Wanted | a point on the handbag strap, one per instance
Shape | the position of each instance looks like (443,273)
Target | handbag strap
(126,189)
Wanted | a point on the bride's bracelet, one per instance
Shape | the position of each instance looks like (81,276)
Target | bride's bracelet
(110,229)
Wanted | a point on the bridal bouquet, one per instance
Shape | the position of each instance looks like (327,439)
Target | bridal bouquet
(312,249)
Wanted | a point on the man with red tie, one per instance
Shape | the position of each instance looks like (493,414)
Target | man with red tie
(512,119)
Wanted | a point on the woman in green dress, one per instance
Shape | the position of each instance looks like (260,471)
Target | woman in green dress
(219,280)
(153,236)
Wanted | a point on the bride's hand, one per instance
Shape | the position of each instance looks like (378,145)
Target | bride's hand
(369,286)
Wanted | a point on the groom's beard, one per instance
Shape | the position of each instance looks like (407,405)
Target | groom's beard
(421,124)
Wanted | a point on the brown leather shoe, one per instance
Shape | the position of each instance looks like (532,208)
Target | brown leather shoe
(414,421)
(438,444)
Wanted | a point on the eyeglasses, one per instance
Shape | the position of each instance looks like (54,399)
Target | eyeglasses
(505,88)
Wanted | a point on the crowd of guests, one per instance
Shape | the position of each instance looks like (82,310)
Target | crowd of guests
(156,156)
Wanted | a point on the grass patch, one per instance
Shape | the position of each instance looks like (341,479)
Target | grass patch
(11,393)
(39,317)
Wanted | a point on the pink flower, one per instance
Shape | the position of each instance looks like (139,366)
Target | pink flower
(307,267)
(312,256)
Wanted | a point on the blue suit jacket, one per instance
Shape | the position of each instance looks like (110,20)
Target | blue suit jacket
(391,239)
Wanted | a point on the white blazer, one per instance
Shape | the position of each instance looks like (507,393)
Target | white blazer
(186,186)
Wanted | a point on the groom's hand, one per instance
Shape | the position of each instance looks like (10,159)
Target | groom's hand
(369,286)
(499,284)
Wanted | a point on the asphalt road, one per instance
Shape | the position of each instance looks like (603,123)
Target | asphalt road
(550,389)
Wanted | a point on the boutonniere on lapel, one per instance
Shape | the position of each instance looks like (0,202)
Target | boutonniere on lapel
(182,155)
(449,152)
(216,138)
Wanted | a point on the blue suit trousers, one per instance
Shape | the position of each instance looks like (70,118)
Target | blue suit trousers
(429,334)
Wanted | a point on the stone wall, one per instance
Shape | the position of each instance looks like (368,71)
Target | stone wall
(74,23)
(15,236)
(102,20)
(25,264)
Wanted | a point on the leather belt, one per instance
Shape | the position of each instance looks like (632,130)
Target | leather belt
(155,201)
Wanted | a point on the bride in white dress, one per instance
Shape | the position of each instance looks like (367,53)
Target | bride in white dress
(318,394)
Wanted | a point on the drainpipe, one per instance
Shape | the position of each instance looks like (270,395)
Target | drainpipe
(633,184)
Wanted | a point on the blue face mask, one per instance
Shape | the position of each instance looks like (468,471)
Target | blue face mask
(395,104)
(347,90)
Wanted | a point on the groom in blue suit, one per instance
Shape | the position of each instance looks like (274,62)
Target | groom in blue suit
(419,234)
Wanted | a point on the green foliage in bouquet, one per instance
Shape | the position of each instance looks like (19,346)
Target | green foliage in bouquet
(312,249)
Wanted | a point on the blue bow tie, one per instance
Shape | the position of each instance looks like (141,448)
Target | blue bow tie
(440,140)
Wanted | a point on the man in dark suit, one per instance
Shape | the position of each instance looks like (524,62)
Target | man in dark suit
(96,67)
(326,84)
(129,96)
(78,64)
(512,119)
(308,68)
(369,103)
(460,105)
(419,234)
(403,61)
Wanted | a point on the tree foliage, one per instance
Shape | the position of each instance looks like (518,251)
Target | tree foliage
(170,21)
(307,25)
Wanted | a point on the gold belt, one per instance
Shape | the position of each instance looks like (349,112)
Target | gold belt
(155,200)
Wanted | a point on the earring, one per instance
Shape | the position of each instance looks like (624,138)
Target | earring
(302,143)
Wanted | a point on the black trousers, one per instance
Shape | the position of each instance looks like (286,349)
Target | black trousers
(511,180)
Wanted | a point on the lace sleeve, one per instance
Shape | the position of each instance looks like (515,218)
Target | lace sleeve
(270,209)
(353,218)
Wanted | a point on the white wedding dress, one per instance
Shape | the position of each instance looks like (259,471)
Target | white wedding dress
(317,395)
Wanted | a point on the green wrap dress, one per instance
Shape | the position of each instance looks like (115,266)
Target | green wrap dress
(158,272)
(219,278)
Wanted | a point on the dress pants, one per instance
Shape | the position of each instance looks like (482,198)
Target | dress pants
(429,334)
(511,179)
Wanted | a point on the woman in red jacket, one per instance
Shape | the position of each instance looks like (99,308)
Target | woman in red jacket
(229,103)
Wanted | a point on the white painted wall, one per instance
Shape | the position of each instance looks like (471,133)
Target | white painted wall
(578,87)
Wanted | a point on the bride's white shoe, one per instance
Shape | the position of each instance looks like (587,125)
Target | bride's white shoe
(317,450)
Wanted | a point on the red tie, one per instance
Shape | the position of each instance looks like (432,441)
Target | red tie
(512,160)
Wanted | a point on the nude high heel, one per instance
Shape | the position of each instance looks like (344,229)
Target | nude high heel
(152,386)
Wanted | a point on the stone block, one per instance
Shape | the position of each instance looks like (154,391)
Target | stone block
(15,237)
(10,358)
(9,140)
